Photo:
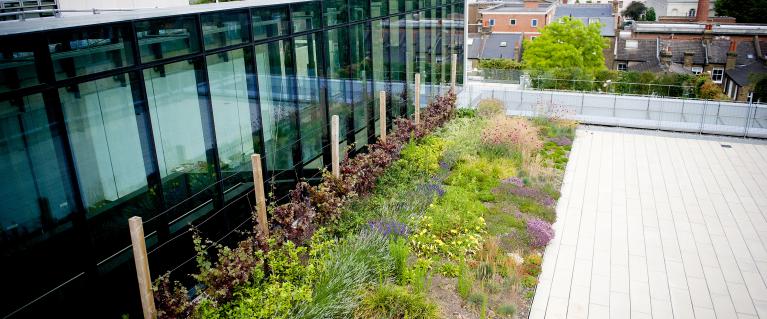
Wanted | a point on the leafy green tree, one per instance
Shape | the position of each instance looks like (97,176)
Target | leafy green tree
(635,10)
(744,11)
(650,14)
(499,64)
(567,43)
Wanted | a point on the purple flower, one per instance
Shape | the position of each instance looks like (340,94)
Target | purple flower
(387,228)
(443,165)
(516,181)
(540,231)
(535,194)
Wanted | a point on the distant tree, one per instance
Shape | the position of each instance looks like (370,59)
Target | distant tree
(744,11)
(566,44)
(650,14)
(635,10)
(499,64)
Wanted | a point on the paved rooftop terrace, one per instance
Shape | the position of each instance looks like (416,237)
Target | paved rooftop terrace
(658,225)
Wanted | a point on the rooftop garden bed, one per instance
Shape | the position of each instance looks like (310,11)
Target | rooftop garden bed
(447,219)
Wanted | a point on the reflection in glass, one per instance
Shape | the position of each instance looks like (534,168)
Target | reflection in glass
(89,50)
(102,129)
(379,71)
(379,8)
(397,49)
(177,128)
(34,195)
(359,9)
(278,110)
(227,75)
(361,71)
(167,37)
(337,73)
(411,29)
(305,16)
(221,29)
(334,12)
(312,113)
(270,22)
(17,65)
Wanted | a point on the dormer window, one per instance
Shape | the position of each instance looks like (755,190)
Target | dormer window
(632,44)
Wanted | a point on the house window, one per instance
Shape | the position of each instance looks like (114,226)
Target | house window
(622,66)
(697,70)
(593,21)
(691,13)
(632,44)
(513,22)
(534,22)
(491,22)
(717,74)
(533,38)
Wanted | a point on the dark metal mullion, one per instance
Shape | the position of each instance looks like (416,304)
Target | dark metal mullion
(293,91)
(349,88)
(207,119)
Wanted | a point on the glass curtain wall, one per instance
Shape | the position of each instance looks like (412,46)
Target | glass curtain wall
(313,125)
(278,109)
(235,122)
(339,86)
(99,124)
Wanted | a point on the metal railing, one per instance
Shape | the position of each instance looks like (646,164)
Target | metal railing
(648,112)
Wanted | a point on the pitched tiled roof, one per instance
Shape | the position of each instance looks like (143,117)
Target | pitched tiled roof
(473,47)
(741,74)
(584,10)
(493,48)
(646,50)
(679,47)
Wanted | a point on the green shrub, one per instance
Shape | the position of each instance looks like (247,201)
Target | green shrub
(465,112)
(507,310)
(399,251)
(465,282)
(449,269)
(395,302)
(419,276)
(489,108)
(355,262)
(528,281)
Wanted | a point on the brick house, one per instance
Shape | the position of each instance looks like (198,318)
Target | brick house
(524,17)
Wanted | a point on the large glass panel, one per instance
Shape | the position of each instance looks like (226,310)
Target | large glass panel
(379,8)
(313,125)
(359,9)
(380,55)
(337,73)
(334,12)
(234,123)
(166,38)
(17,64)
(458,39)
(437,58)
(424,44)
(89,50)
(221,29)
(397,49)
(396,6)
(102,128)
(305,16)
(278,109)
(270,22)
(37,208)
(361,73)
(174,106)
(411,29)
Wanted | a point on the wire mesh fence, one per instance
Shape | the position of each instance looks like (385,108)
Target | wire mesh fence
(649,112)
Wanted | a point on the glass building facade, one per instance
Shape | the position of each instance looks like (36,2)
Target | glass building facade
(157,117)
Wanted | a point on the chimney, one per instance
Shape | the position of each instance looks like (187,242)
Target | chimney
(531,4)
(616,7)
(702,12)
(665,58)
(688,59)
(708,34)
(732,56)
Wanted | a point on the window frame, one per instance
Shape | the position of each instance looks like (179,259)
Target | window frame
(513,22)
(696,70)
(714,75)
(534,23)
(491,22)
(624,68)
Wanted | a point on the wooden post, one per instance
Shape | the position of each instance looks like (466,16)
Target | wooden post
(382,115)
(258,183)
(334,145)
(142,266)
(417,98)
(453,67)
